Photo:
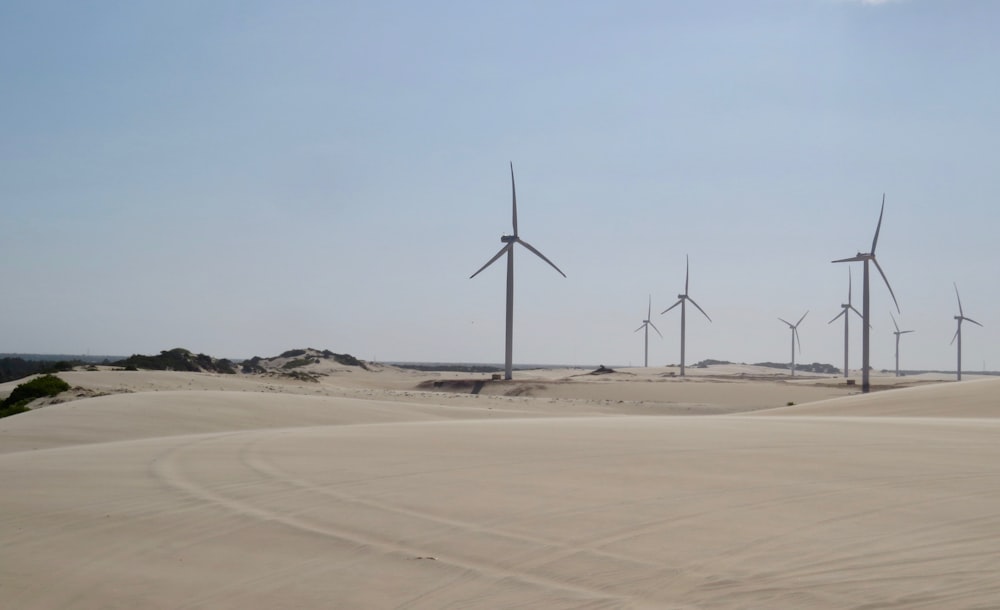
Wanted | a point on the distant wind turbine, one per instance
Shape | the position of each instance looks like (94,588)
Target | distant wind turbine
(646,324)
(958,333)
(682,300)
(866,299)
(795,336)
(845,311)
(897,332)
(508,248)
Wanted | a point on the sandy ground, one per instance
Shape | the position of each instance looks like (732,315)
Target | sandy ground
(401,489)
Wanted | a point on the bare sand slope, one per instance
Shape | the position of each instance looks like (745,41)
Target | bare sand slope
(209,500)
(973,398)
(131,416)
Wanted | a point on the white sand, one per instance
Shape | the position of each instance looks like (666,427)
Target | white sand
(204,491)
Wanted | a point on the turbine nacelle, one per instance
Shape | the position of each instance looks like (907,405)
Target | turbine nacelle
(508,239)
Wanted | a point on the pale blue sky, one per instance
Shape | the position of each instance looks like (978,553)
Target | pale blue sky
(241,178)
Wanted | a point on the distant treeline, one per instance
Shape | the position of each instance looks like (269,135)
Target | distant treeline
(19,368)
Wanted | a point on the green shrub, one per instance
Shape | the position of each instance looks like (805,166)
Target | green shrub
(17,402)
(292,364)
(20,407)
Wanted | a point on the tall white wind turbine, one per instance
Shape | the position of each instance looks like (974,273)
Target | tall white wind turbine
(897,332)
(508,248)
(682,300)
(958,333)
(865,257)
(646,324)
(847,308)
(795,336)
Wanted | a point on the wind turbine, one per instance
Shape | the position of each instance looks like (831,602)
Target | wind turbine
(866,299)
(646,324)
(845,311)
(795,336)
(508,248)
(897,332)
(682,300)
(958,333)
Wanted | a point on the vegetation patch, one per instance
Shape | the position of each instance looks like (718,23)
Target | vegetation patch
(294,364)
(39,387)
(815,367)
(178,359)
(704,364)
(302,376)
(298,358)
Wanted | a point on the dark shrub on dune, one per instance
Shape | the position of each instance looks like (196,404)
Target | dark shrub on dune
(179,359)
(39,387)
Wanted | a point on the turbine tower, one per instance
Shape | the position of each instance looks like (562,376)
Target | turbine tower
(958,333)
(508,248)
(865,257)
(845,311)
(795,336)
(682,300)
(646,324)
(897,332)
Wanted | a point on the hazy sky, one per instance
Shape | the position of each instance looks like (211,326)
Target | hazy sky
(242,178)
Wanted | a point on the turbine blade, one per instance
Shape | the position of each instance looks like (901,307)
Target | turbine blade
(973,321)
(850,285)
(903,332)
(649,310)
(879,267)
(513,193)
(492,260)
(879,226)
(671,307)
(894,321)
(852,308)
(956,335)
(853,259)
(842,312)
(959,299)
(786,322)
(640,327)
(687,273)
(802,318)
(699,308)
(795,331)
(656,329)
(540,255)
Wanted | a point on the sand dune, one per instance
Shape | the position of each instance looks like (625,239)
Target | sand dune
(973,398)
(403,499)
